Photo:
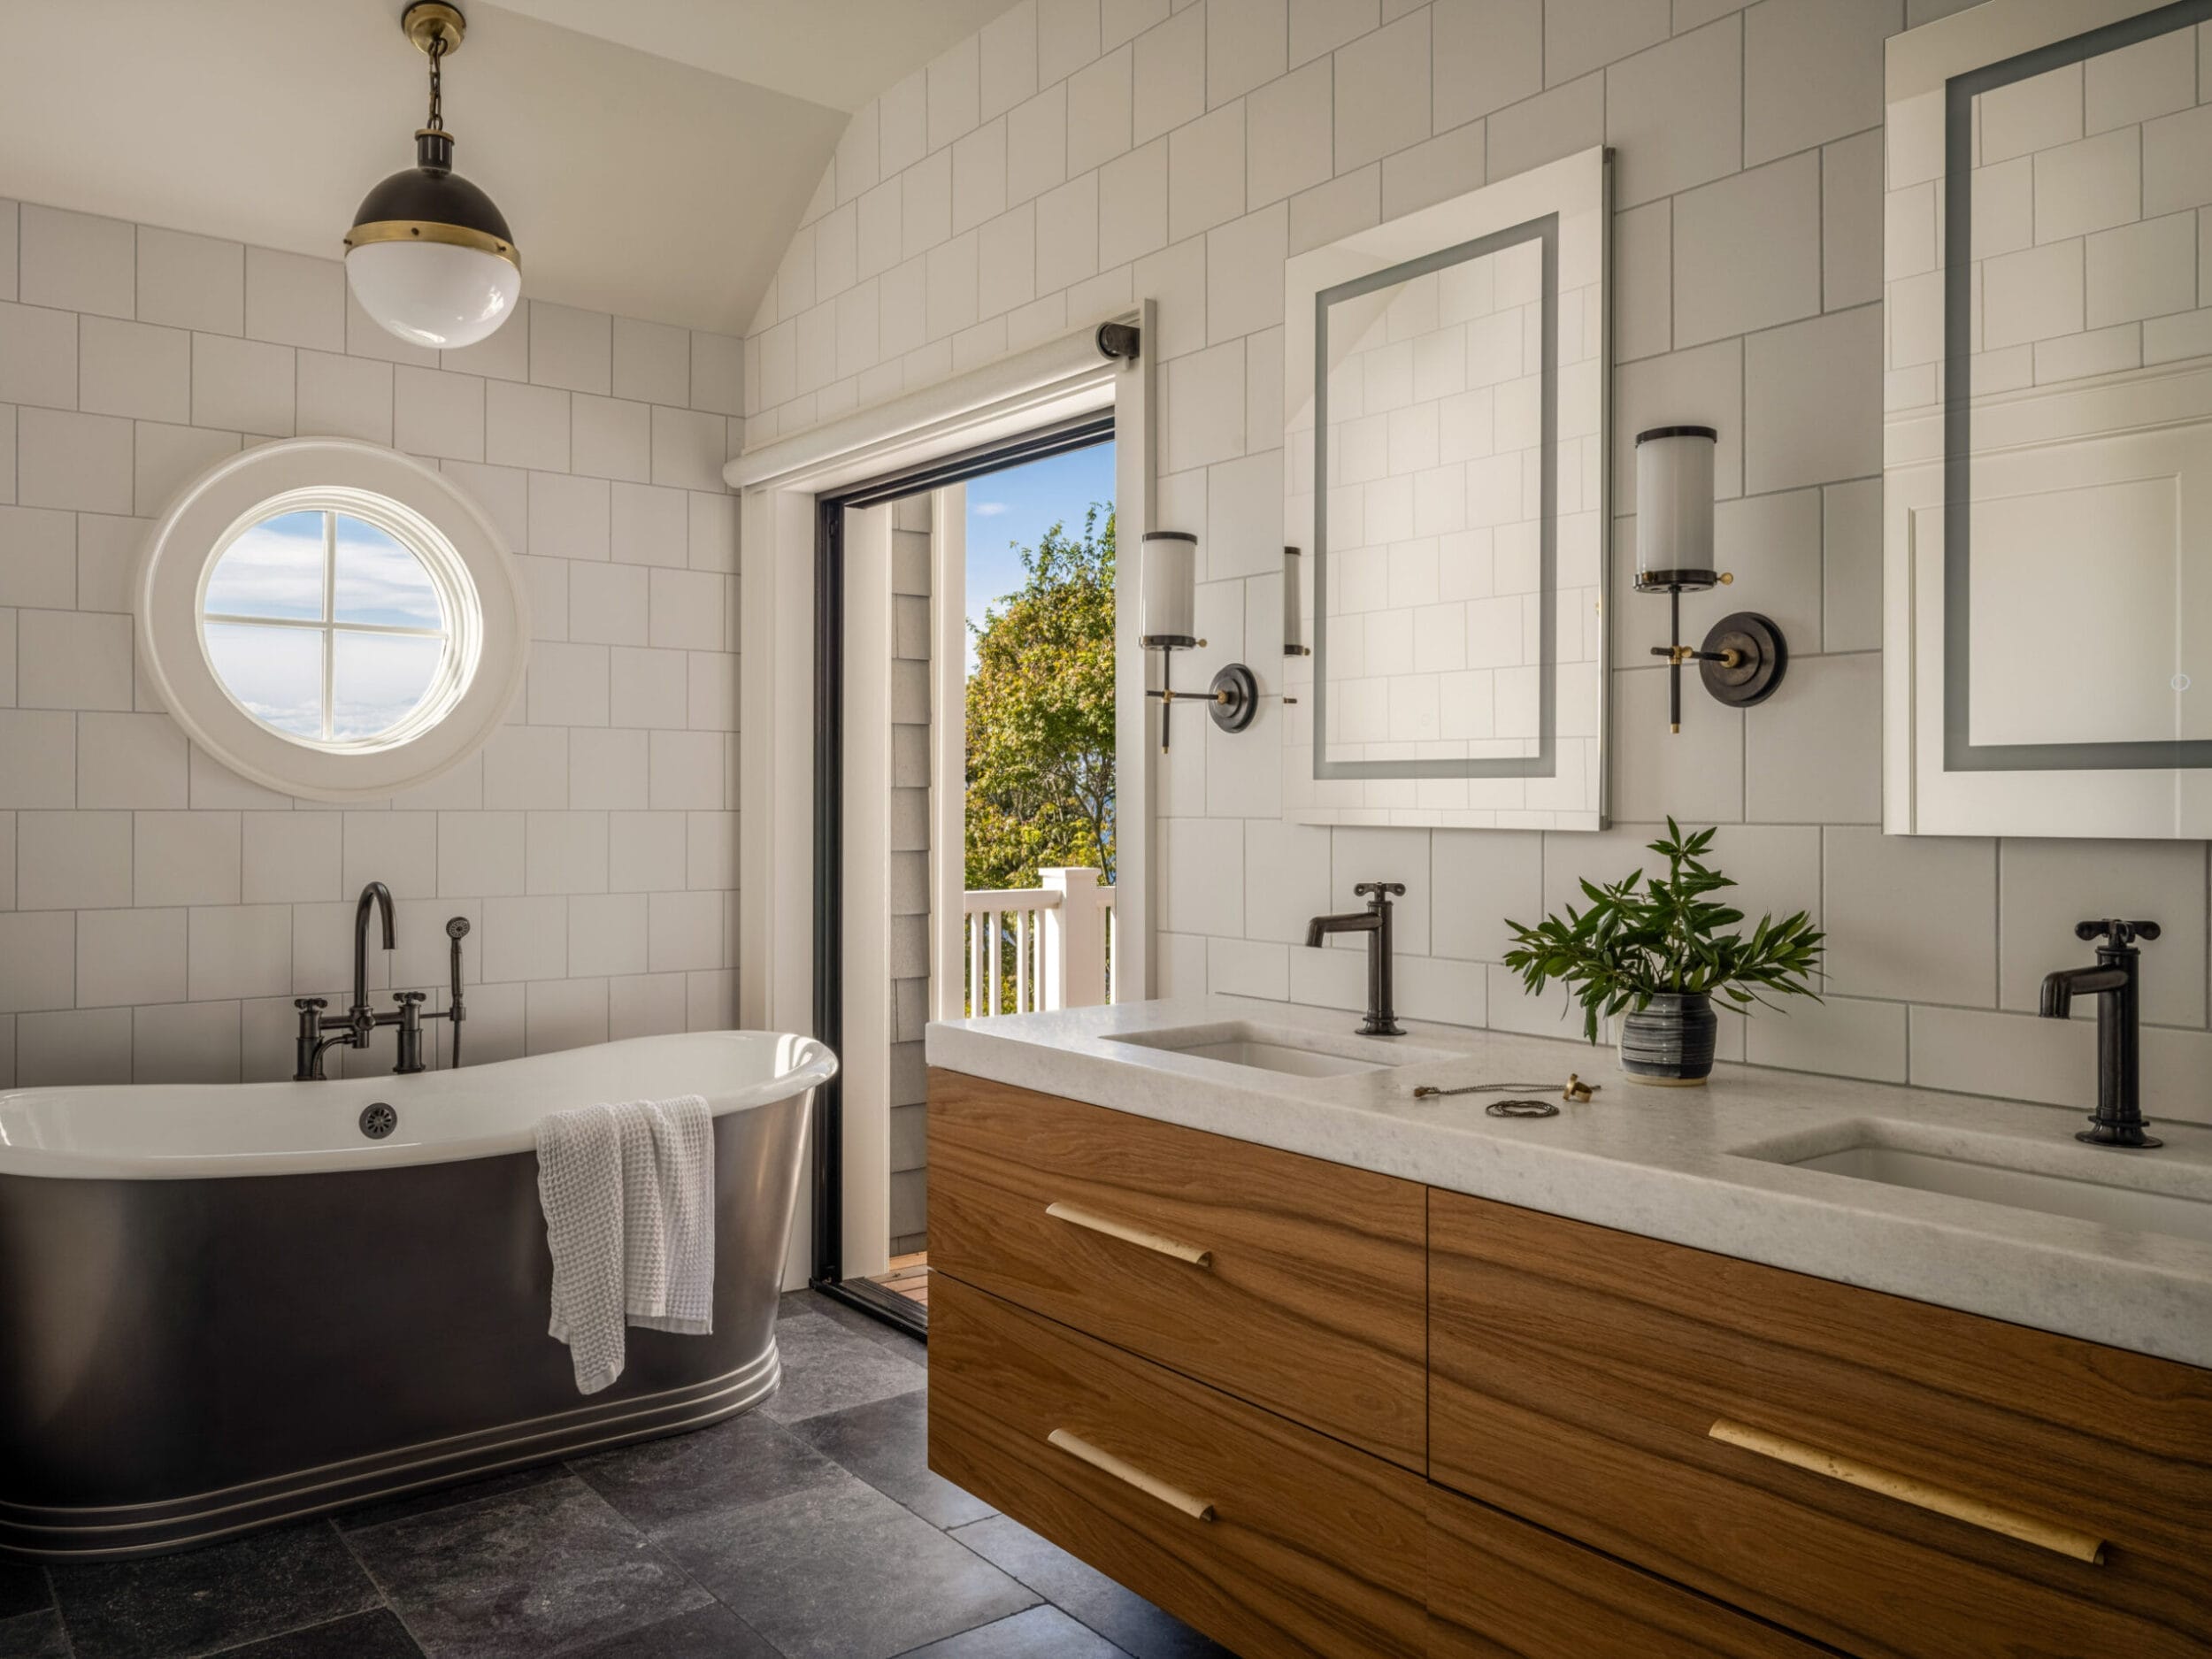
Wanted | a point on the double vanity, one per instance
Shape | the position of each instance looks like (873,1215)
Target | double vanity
(1786,1367)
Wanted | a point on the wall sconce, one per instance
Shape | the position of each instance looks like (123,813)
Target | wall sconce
(1294,622)
(1169,597)
(1743,657)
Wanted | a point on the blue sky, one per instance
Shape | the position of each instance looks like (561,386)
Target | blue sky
(1015,507)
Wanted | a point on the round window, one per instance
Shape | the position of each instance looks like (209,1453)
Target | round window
(337,629)
(331,619)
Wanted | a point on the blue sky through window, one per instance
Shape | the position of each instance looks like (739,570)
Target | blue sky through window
(1011,510)
(276,669)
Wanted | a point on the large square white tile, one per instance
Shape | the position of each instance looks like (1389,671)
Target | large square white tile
(187,281)
(130,957)
(38,960)
(1382,92)
(1812,71)
(1747,251)
(434,412)
(572,348)
(73,861)
(135,369)
(76,261)
(1675,114)
(243,386)
(651,362)
(188,857)
(1910,916)
(38,356)
(68,660)
(2048,885)
(525,426)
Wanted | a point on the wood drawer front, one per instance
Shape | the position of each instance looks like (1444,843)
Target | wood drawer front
(1502,1589)
(1314,1550)
(1312,1302)
(1579,1373)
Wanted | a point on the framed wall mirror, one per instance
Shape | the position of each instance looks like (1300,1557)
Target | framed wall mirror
(2047,492)
(1445,392)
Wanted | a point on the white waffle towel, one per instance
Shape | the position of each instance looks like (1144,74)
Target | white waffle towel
(629,1196)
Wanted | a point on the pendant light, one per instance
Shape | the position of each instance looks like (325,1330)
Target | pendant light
(429,257)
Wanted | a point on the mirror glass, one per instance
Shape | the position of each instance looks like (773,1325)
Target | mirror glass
(1446,479)
(2049,451)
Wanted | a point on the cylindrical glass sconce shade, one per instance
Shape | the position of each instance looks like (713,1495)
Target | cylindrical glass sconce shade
(1674,507)
(1170,589)
(1294,617)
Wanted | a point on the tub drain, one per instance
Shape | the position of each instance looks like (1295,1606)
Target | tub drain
(378,1120)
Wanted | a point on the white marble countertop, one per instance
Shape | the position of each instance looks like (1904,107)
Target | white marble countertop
(1667,1162)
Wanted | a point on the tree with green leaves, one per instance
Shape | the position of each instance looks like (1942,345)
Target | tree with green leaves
(1041,714)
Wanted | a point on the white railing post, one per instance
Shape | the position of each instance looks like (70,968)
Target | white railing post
(1074,961)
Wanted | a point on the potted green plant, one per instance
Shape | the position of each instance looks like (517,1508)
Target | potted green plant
(1651,949)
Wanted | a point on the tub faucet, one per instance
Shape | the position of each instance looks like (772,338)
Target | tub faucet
(357,1027)
(1374,921)
(2119,1119)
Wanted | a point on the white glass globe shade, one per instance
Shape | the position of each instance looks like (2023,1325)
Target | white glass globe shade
(433,294)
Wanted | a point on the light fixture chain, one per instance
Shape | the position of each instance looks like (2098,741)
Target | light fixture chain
(437,84)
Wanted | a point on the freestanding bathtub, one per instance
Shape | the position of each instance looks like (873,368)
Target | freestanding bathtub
(222,1307)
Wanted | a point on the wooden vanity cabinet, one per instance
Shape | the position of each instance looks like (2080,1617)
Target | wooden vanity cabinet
(1499,1588)
(1579,1376)
(1311,1295)
(1633,1449)
(1271,1538)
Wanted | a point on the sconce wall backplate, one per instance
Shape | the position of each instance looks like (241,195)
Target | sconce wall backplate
(1743,659)
(1236,697)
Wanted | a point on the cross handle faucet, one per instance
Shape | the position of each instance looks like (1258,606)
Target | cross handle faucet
(1374,921)
(2113,981)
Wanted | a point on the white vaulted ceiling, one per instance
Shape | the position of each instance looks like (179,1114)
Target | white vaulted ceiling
(653,157)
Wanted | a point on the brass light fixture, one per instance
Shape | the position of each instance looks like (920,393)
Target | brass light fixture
(430,257)
(1743,657)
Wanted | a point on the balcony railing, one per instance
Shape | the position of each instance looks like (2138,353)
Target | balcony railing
(1041,947)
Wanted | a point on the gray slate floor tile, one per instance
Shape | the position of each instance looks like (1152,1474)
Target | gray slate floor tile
(383,1509)
(32,1636)
(828,1368)
(745,1460)
(840,1572)
(22,1589)
(1042,1633)
(860,1323)
(544,1570)
(1121,1617)
(200,1601)
(377,1635)
(885,1443)
(709,1633)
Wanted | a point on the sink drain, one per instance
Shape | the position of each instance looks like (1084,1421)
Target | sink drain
(378,1120)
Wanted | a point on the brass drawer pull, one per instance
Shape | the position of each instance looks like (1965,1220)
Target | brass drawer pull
(1077,1447)
(1127,1235)
(2027,1528)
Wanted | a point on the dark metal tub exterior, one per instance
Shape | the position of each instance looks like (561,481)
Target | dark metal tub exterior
(185,1359)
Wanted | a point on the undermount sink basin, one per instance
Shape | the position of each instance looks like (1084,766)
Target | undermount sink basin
(2143,1192)
(1283,1050)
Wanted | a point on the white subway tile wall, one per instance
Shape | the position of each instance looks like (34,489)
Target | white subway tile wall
(1747,259)
(159,913)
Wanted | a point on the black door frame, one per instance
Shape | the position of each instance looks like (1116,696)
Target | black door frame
(827,1274)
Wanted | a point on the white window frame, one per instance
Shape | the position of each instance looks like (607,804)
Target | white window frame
(487,614)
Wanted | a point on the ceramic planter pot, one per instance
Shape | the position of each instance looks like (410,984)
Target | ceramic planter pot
(1669,1041)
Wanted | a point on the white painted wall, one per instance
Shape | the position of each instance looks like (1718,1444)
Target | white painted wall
(1081,153)
(157,913)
